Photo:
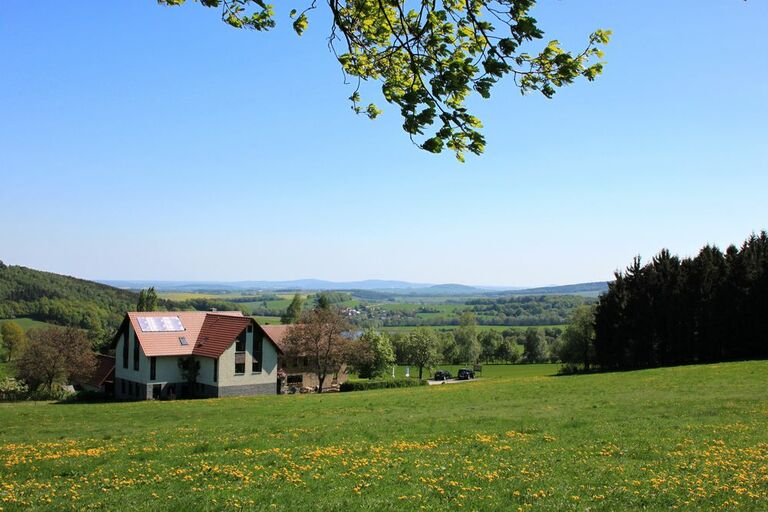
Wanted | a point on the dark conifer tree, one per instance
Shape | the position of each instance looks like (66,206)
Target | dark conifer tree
(708,308)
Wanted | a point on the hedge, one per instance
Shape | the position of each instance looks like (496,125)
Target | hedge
(363,385)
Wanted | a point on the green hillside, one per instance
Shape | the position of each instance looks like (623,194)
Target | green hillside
(35,296)
(686,438)
(63,300)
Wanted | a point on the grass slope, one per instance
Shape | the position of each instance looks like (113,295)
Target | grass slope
(691,438)
(27,323)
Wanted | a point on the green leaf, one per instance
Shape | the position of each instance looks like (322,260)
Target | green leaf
(300,24)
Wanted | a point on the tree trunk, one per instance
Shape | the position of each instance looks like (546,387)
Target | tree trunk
(420,369)
(320,380)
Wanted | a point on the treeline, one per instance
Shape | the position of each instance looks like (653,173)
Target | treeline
(470,344)
(527,310)
(713,307)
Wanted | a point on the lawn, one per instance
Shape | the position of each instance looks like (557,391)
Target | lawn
(686,438)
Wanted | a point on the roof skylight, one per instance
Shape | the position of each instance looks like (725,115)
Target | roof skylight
(160,324)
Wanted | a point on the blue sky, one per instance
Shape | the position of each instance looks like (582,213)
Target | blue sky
(147,142)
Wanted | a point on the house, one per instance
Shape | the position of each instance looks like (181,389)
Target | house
(298,371)
(225,353)
(102,379)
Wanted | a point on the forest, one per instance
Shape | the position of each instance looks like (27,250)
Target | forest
(62,300)
(709,308)
(72,302)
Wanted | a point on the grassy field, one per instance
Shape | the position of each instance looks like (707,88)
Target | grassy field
(686,438)
(268,320)
(480,328)
(26,323)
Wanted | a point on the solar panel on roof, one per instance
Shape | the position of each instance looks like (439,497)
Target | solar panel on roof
(160,323)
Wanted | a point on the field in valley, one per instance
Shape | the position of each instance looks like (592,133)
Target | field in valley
(397,313)
(685,438)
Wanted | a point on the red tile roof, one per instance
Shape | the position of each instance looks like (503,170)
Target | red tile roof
(277,334)
(207,334)
(167,343)
(217,334)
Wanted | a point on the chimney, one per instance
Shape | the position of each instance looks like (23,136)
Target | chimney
(213,310)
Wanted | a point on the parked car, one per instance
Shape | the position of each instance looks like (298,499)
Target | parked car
(442,375)
(465,374)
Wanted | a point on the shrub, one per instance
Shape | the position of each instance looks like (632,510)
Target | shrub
(12,390)
(381,384)
(56,393)
(568,369)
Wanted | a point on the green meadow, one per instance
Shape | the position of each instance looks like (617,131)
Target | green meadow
(26,323)
(685,438)
(500,328)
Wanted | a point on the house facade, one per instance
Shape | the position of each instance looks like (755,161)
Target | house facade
(174,354)
(298,369)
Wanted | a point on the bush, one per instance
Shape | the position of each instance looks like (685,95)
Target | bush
(568,369)
(381,384)
(56,393)
(12,390)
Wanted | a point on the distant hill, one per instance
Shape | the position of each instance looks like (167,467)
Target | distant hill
(591,289)
(59,299)
(297,284)
(386,287)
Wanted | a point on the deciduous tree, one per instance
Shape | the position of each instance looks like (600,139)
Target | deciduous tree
(431,57)
(422,349)
(466,338)
(508,351)
(533,346)
(13,338)
(490,341)
(578,340)
(322,336)
(55,355)
(293,312)
(372,355)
